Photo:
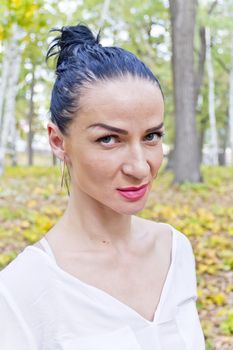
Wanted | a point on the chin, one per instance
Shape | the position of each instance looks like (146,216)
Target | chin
(130,208)
(131,212)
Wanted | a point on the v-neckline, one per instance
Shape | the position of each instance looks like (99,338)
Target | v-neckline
(105,295)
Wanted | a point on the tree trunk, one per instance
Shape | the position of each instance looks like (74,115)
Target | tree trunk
(213,129)
(201,138)
(8,119)
(199,75)
(231,104)
(13,143)
(30,120)
(3,86)
(186,153)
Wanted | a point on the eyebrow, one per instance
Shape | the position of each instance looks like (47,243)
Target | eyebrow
(122,131)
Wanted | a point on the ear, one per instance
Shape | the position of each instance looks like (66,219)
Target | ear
(56,141)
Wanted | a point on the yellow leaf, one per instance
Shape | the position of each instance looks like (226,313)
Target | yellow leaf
(1,38)
(229,288)
(32,203)
(30,12)
(218,299)
(24,224)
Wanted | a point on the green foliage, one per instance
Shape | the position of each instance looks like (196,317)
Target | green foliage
(227,325)
(24,13)
(209,344)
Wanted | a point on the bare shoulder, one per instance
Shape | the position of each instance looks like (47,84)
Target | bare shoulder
(160,232)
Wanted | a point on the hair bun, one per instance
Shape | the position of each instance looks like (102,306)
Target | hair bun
(78,35)
(70,38)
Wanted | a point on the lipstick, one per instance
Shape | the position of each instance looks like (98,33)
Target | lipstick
(133,193)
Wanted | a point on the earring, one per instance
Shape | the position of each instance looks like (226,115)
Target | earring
(65,176)
(63,173)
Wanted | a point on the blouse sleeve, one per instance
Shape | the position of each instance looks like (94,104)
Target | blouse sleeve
(14,333)
(187,317)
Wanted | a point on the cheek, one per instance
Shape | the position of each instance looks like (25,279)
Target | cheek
(161,156)
(157,159)
(93,167)
(158,156)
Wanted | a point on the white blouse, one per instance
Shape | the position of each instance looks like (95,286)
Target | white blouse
(45,308)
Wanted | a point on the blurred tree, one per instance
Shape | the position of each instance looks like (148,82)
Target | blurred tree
(30,117)
(11,64)
(231,102)
(216,15)
(18,16)
(142,27)
(186,156)
(211,84)
(25,25)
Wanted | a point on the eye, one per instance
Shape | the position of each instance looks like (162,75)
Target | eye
(154,136)
(107,140)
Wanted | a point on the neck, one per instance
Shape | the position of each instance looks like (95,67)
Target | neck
(92,223)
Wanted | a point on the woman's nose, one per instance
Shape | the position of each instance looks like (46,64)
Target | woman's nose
(136,164)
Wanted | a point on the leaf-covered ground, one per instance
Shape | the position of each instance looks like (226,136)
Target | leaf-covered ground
(31,202)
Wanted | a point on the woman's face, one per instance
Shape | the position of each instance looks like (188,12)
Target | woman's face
(115,143)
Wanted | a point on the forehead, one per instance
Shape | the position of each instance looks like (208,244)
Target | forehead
(120,100)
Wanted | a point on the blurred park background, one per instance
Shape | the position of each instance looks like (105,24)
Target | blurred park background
(189,47)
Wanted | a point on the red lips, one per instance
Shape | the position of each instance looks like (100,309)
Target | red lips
(132,188)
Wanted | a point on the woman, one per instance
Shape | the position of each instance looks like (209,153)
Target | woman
(103,278)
